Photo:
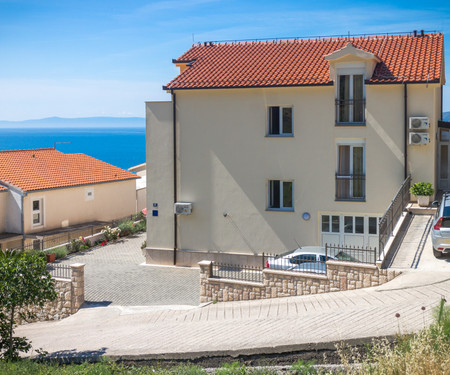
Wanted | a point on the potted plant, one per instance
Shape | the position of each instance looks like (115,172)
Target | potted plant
(50,257)
(423,191)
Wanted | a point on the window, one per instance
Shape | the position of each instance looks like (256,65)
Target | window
(354,224)
(335,224)
(280,121)
(281,195)
(373,225)
(350,100)
(350,174)
(37,209)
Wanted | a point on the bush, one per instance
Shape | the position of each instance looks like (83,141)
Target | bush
(126,228)
(111,234)
(60,252)
(77,245)
(422,188)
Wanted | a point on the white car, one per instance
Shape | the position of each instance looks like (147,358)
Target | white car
(306,254)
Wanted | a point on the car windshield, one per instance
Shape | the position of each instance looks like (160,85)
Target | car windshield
(299,259)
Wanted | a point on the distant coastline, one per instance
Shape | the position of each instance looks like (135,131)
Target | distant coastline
(81,122)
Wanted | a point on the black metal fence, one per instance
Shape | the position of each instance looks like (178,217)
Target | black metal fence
(61,271)
(351,253)
(393,213)
(237,272)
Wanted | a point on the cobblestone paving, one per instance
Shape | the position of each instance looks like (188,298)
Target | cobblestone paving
(115,275)
(249,326)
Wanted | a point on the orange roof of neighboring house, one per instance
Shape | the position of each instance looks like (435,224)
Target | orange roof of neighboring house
(299,62)
(3,188)
(48,169)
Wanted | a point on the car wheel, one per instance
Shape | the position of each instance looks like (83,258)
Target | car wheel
(437,253)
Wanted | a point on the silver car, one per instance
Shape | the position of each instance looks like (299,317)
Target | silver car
(306,254)
(440,231)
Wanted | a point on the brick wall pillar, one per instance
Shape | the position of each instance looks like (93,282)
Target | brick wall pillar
(77,286)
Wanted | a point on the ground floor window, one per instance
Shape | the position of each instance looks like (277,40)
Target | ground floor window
(280,195)
(352,230)
(37,212)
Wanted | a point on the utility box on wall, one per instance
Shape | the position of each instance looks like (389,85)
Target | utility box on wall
(182,208)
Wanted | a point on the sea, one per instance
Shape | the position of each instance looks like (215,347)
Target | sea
(122,147)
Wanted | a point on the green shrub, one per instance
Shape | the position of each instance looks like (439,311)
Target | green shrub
(303,368)
(77,245)
(60,252)
(422,188)
(111,234)
(127,228)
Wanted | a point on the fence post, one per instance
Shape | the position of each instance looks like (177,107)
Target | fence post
(262,260)
(326,252)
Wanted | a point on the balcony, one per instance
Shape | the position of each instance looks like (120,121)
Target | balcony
(351,187)
(350,112)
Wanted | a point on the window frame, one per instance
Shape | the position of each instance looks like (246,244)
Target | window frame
(39,211)
(351,72)
(352,144)
(281,190)
(280,133)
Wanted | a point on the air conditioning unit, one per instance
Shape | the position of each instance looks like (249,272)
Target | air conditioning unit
(182,208)
(419,138)
(418,123)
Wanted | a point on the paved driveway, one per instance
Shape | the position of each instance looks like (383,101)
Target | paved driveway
(416,250)
(116,275)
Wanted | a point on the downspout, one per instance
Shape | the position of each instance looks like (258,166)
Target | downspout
(405,91)
(175,217)
(22,218)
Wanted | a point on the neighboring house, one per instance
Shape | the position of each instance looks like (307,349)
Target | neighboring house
(45,191)
(280,143)
(141,185)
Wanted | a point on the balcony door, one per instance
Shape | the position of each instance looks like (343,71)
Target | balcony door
(350,177)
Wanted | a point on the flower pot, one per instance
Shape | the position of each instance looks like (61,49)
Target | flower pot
(50,257)
(423,200)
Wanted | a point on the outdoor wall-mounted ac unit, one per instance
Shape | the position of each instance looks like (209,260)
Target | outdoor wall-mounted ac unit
(419,138)
(417,123)
(182,208)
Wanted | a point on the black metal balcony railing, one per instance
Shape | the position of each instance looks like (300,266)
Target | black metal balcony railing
(350,187)
(350,111)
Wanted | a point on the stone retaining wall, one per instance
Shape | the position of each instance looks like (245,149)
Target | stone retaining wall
(339,276)
(70,297)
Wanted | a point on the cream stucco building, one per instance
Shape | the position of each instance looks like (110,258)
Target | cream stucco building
(44,192)
(284,143)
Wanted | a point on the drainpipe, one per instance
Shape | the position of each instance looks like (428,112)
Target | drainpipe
(175,218)
(405,91)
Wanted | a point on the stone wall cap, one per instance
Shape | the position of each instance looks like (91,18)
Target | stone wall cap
(205,263)
(351,264)
(77,265)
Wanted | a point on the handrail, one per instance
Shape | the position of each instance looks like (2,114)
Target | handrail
(393,213)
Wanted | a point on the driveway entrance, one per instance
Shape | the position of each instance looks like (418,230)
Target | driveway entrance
(115,275)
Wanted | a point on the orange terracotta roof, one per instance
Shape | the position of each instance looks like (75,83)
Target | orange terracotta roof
(404,58)
(48,169)
(3,188)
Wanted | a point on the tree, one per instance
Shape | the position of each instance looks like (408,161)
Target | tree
(24,281)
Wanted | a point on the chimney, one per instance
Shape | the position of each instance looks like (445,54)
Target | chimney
(415,32)
(421,33)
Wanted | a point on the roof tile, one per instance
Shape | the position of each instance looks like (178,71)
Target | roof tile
(404,58)
(39,169)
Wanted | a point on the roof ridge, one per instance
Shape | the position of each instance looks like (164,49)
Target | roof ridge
(319,38)
(31,149)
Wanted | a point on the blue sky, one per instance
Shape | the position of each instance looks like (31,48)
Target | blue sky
(106,58)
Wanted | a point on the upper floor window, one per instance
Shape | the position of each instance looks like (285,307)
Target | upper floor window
(280,121)
(350,102)
(350,174)
(281,195)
